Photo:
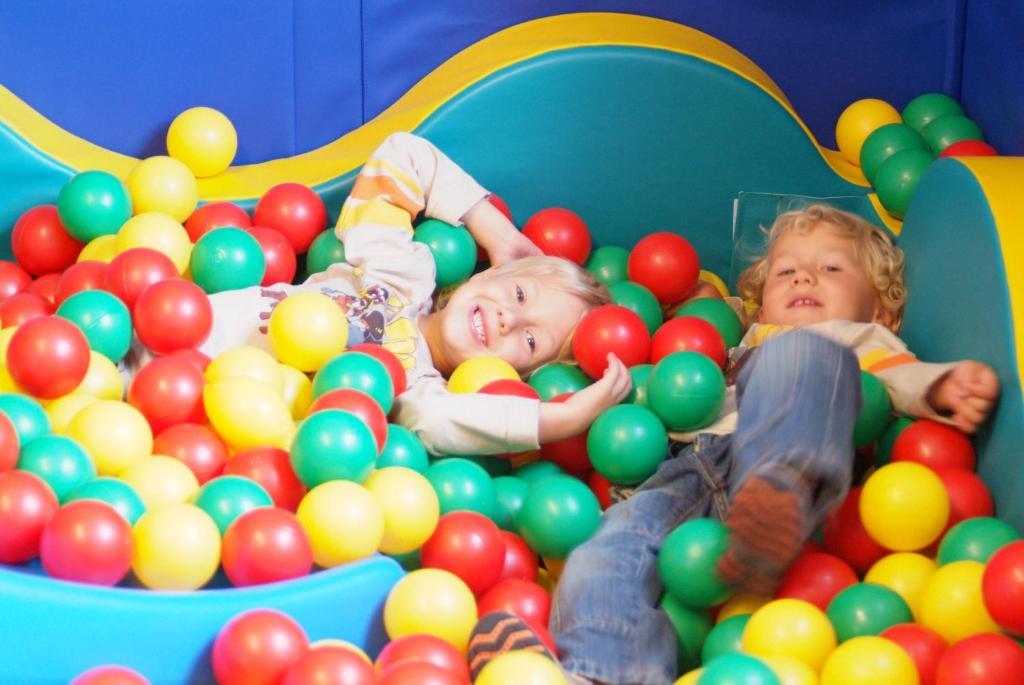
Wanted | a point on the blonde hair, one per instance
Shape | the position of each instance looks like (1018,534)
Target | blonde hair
(874,249)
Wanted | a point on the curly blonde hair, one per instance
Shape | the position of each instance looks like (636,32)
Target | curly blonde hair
(882,261)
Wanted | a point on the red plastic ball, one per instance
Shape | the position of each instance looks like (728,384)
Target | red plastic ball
(521,561)
(22,307)
(469,545)
(257,647)
(527,600)
(330,665)
(968,496)
(215,215)
(87,541)
(969,148)
(391,362)
(46,287)
(272,469)
(816,577)
(48,357)
(610,328)
(278,254)
(40,242)
(87,275)
(688,333)
(110,675)
(418,673)
(265,545)
(560,233)
(934,445)
(601,487)
(294,210)
(172,315)
(9,444)
(1002,587)
(132,271)
(196,446)
(422,648)
(359,403)
(26,505)
(985,659)
(168,391)
(13,279)
(666,264)
(924,646)
(571,453)
(846,537)
(193,356)
(510,386)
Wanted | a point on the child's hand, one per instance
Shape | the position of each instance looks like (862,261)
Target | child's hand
(497,235)
(514,245)
(966,392)
(561,420)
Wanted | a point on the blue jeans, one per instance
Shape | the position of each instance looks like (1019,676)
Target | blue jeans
(798,401)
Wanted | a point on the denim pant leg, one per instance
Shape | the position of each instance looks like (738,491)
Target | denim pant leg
(606,618)
(798,402)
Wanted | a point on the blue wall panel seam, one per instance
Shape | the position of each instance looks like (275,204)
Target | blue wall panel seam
(294,149)
(362,62)
(958,38)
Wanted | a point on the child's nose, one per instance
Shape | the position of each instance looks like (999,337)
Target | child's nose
(801,276)
(506,320)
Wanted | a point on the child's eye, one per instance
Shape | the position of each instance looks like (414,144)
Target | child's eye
(531,342)
(785,272)
(832,267)
(520,295)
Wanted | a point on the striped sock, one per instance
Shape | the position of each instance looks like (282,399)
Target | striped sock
(500,632)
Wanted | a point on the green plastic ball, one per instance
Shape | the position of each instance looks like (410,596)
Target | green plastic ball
(225,498)
(537,471)
(950,129)
(866,609)
(359,371)
(725,638)
(688,560)
(873,417)
(975,539)
(686,390)
(883,143)
(510,493)
(898,178)
(59,461)
(738,669)
(114,492)
(883,451)
(558,514)
(608,264)
(638,393)
(719,314)
(626,444)
(325,250)
(557,379)
(638,300)
(410,561)
(453,248)
(332,444)
(28,416)
(93,203)
(103,318)
(463,485)
(403,448)
(692,627)
(924,109)
(227,258)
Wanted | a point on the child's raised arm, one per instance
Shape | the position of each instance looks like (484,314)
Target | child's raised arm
(966,394)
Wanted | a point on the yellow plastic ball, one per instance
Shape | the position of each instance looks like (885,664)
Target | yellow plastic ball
(335,642)
(203,139)
(952,604)
(860,120)
(100,249)
(740,604)
(434,602)
(114,434)
(159,232)
(715,280)
(7,382)
(869,660)
(246,413)
(246,362)
(177,547)
(297,390)
(793,628)
(163,184)
(475,373)
(161,480)
(410,505)
(102,379)
(904,506)
(521,668)
(307,330)
(791,671)
(63,409)
(905,573)
(691,678)
(343,520)
(5,339)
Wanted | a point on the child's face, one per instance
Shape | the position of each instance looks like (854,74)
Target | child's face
(814,277)
(516,318)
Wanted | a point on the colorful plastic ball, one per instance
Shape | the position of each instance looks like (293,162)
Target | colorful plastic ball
(925,647)
(717,313)
(627,443)
(982,660)
(790,627)
(114,434)
(172,315)
(359,404)
(883,143)
(433,602)
(168,391)
(422,648)
(115,492)
(59,461)
(104,320)
(215,215)
(410,507)
(666,264)
(452,248)
(87,542)
(691,678)
(969,148)
(904,506)
(952,603)
(46,287)
(559,232)
(873,416)
(28,417)
(468,545)
(473,374)
(265,545)
(726,637)
(10,446)
(248,362)
(866,609)
(688,333)
(177,547)
(969,496)
(462,484)
(85,275)
(294,210)
(100,249)
(403,448)
(845,536)
(898,178)
(523,668)
(608,263)
(524,598)
(950,129)
(325,250)
(926,108)
(307,330)
(227,258)
(343,520)
(688,559)
(691,627)
(278,255)
(203,139)
(858,121)
(333,444)
(22,307)
(520,561)
(816,578)
(686,390)
(356,370)
(610,329)
(297,390)
(1002,586)
(883,450)
(738,668)
(558,379)
(161,480)
(791,671)
(975,539)
(110,675)
(163,184)
(246,413)
(639,300)
(48,356)
(537,471)
(390,361)
(92,204)
(330,665)
(226,498)
(256,647)
(418,673)
(559,514)
(102,379)
(934,445)
(156,231)
(41,244)
(869,660)
(740,604)
(571,453)
(13,279)
(27,503)
(905,573)
(132,271)
(272,469)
